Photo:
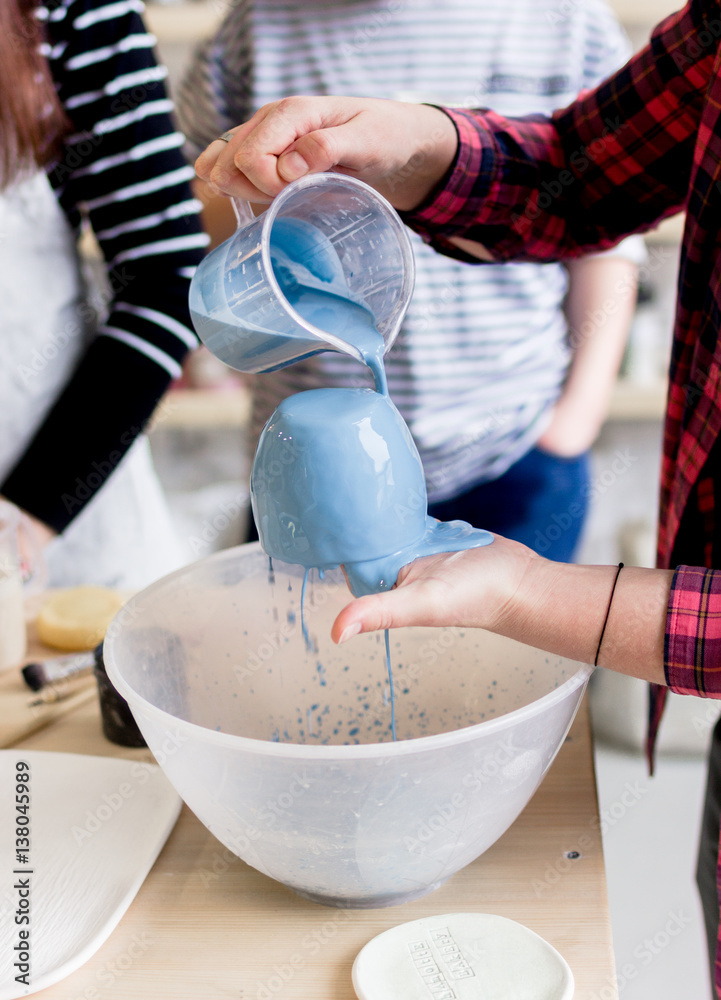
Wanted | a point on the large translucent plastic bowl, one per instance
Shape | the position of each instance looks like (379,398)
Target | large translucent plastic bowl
(286,754)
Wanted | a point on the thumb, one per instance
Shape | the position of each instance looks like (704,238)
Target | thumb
(393,609)
(317,152)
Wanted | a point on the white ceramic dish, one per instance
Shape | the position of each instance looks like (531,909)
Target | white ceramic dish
(468,956)
(96,825)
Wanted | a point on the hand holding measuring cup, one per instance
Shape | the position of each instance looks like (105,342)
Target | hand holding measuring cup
(402,150)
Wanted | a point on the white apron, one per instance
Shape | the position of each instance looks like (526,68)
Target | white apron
(123,537)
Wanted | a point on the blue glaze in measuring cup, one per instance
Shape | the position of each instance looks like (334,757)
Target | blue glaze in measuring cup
(324,236)
(310,274)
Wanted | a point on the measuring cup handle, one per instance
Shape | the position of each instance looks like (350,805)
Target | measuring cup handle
(243,212)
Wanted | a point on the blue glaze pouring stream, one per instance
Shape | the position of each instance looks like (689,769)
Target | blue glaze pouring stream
(337,479)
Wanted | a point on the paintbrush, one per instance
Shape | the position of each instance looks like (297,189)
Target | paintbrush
(58,668)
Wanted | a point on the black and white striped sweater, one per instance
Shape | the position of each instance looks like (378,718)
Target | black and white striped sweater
(123,169)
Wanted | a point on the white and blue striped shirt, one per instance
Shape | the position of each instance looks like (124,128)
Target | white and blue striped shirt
(483,352)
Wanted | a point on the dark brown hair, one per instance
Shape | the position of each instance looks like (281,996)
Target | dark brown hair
(32,119)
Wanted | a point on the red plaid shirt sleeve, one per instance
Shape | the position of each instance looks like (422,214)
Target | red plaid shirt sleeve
(693,632)
(616,161)
(640,147)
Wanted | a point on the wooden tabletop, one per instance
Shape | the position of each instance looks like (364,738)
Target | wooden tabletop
(206,925)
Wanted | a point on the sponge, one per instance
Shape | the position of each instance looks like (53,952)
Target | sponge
(76,618)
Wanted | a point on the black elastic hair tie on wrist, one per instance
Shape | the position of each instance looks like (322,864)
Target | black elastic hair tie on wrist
(608,612)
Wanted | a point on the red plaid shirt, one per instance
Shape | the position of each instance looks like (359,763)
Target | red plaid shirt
(642,146)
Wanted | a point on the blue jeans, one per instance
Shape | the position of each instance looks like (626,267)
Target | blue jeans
(541,501)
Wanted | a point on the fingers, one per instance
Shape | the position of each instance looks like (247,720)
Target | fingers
(290,138)
(468,588)
(396,608)
(217,149)
(323,149)
(366,614)
(262,158)
(216,164)
(400,149)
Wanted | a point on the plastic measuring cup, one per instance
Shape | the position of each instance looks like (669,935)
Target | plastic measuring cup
(351,238)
